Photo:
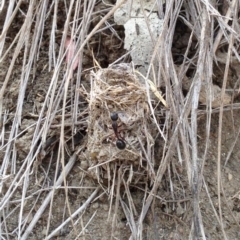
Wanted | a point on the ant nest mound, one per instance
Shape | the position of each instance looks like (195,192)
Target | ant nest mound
(120,131)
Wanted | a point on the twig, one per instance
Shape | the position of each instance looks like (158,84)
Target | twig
(81,209)
(45,203)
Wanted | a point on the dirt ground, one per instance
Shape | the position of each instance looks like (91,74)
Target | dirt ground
(171,212)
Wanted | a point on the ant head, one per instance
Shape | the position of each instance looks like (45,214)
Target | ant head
(114,116)
(120,144)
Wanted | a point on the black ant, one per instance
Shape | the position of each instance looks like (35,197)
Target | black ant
(119,143)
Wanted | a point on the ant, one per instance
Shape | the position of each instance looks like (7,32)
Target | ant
(119,143)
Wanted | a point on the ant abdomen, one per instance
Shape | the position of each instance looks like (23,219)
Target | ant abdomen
(120,144)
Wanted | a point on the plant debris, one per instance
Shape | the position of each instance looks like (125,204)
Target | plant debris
(118,90)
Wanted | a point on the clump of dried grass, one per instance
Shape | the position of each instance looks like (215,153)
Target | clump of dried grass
(117,89)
